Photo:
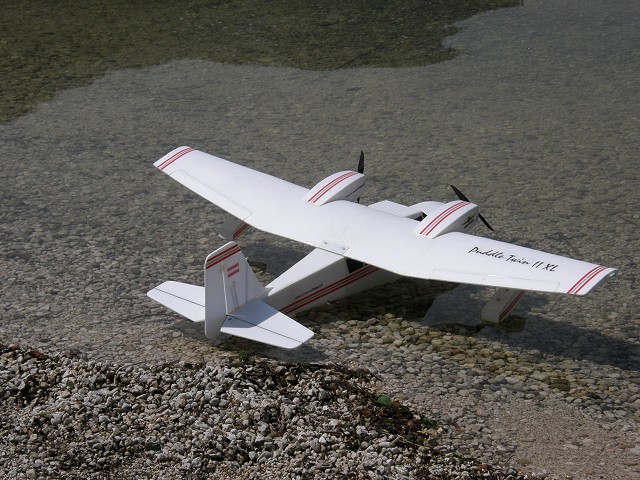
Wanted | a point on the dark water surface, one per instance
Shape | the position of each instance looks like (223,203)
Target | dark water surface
(49,46)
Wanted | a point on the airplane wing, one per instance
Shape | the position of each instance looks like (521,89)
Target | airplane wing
(372,236)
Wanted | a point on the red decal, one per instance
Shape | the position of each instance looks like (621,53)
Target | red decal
(216,259)
(441,216)
(243,228)
(510,307)
(174,157)
(232,270)
(320,193)
(586,278)
(323,292)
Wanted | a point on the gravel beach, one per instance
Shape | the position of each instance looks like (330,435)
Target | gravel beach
(537,121)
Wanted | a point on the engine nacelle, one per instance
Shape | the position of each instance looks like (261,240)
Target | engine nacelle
(345,185)
(456,216)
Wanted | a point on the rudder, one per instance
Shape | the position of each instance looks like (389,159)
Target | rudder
(229,283)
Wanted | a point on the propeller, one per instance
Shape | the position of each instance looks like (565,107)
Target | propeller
(360,167)
(464,198)
(361,162)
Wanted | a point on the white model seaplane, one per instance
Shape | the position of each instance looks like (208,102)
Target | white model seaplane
(356,247)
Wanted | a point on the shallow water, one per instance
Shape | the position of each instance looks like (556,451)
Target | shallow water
(537,121)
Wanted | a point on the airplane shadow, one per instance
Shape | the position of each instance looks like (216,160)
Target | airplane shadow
(547,337)
(303,354)
(456,308)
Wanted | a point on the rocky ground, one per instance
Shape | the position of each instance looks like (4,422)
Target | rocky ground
(66,417)
(537,121)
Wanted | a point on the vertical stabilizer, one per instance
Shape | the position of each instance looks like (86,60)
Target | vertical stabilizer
(229,283)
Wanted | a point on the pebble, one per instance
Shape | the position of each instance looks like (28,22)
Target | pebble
(169,428)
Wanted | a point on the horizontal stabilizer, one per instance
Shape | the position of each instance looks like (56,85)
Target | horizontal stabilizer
(183,298)
(258,321)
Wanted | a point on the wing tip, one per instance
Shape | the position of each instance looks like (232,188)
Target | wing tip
(172,156)
(591,279)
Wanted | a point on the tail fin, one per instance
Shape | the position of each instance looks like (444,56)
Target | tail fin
(231,302)
(234,306)
(229,283)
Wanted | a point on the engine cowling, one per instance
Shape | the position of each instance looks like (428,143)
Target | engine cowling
(345,185)
(456,216)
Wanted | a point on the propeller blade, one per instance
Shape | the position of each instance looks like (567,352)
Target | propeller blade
(485,222)
(460,195)
(361,163)
(464,198)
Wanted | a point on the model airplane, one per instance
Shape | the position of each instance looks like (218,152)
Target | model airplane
(356,247)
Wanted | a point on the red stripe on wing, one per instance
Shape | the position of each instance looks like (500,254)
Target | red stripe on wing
(586,278)
(174,157)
